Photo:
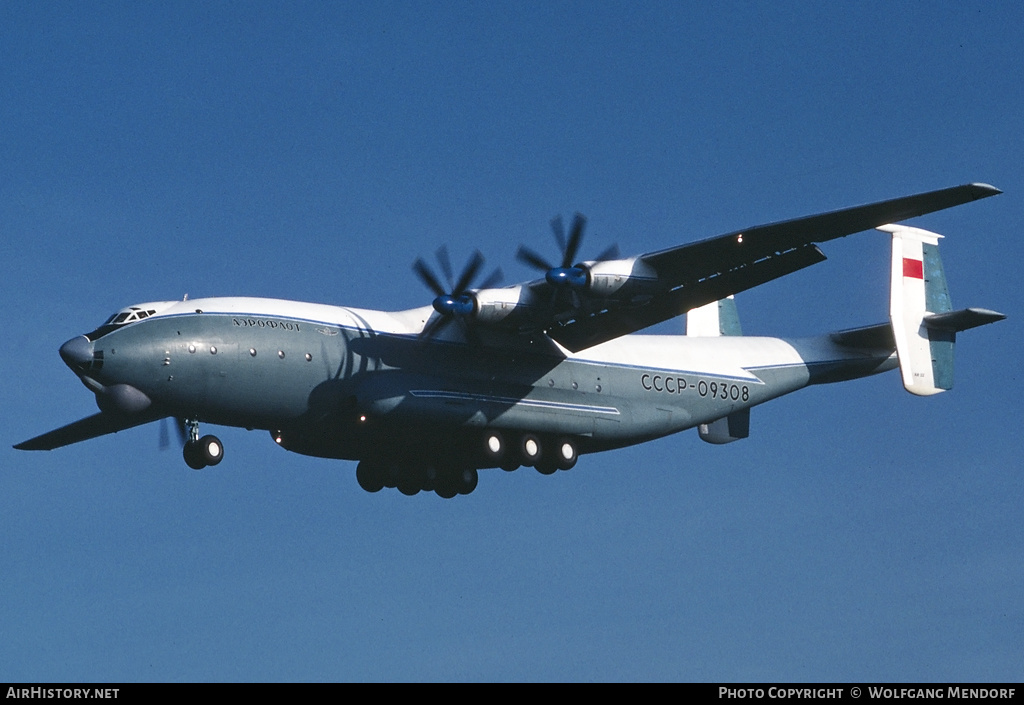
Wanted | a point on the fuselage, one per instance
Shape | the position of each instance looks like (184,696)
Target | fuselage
(349,383)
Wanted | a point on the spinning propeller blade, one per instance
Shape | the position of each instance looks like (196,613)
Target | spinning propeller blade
(427,277)
(453,301)
(567,275)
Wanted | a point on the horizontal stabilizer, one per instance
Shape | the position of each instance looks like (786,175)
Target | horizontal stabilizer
(964,319)
(877,337)
(82,430)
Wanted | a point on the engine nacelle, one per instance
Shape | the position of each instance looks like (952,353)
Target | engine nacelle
(629,277)
(495,305)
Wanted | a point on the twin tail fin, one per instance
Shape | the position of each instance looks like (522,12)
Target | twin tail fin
(715,319)
(921,313)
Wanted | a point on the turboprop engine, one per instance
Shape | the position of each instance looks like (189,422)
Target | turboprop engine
(618,277)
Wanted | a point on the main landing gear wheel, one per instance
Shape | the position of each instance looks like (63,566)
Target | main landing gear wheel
(548,455)
(530,450)
(446,481)
(494,447)
(445,488)
(455,482)
(565,453)
(560,454)
(467,480)
(411,480)
(497,451)
(545,466)
(370,476)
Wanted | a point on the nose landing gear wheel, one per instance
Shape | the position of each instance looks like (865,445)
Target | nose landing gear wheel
(200,452)
(205,452)
(191,454)
(211,450)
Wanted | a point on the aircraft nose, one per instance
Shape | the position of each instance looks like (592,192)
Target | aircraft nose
(77,353)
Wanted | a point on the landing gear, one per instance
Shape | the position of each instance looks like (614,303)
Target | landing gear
(548,455)
(451,469)
(494,446)
(446,481)
(201,452)
(466,480)
(191,455)
(530,449)
(509,451)
(496,451)
(456,481)
(546,466)
(566,454)
(411,480)
(369,476)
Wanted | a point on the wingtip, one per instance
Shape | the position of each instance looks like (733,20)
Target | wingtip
(986,189)
(993,316)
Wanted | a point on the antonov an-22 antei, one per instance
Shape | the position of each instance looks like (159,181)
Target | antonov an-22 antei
(534,374)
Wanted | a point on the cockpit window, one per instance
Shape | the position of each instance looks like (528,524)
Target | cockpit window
(134,313)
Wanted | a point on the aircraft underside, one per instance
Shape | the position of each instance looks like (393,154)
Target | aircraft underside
(422,432)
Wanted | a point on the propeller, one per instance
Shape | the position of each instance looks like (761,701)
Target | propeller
(564,275)
(452,299)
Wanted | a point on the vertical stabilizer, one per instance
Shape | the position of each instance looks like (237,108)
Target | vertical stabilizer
(712,320)
(918,290)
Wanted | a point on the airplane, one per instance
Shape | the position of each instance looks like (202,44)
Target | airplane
(534,374)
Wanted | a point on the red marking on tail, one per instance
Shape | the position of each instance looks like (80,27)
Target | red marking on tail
(913,268)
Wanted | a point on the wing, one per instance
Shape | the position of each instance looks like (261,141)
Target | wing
(685,277)
(82,430)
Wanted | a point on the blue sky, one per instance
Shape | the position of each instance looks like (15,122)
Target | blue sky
(312,151)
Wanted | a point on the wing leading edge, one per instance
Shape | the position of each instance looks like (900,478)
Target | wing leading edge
(701,272)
